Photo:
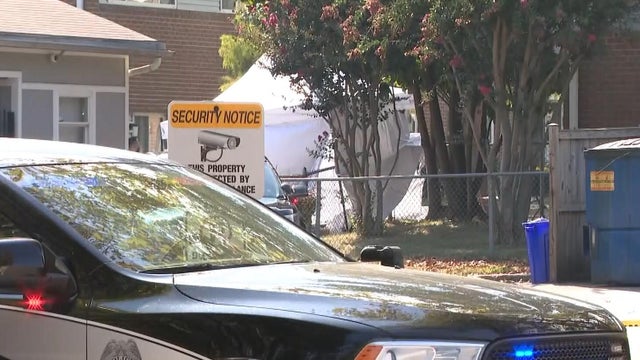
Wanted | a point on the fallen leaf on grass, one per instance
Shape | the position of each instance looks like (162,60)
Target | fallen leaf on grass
(468,267)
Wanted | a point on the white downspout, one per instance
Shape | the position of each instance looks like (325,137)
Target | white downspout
(146,68)
(80,4)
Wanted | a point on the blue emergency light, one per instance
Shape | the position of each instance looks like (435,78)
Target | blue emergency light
(523,352)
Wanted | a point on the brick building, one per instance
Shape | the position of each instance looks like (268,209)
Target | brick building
(189,28)
(607,86)
(603,91)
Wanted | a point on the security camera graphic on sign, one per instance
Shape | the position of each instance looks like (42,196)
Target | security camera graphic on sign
(212,141)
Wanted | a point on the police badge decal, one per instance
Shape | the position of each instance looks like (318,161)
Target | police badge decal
(121,350)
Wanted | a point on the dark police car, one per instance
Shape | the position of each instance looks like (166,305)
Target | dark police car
(108,254)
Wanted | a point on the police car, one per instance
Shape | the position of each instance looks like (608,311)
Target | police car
(109,254)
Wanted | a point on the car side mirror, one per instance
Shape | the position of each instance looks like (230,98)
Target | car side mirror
(300,190)
(287,189)
(296,190)
(31,276)
(385,255)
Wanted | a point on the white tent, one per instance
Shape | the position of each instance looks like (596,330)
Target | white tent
(290,131)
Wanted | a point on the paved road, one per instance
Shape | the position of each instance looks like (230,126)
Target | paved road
(623,302)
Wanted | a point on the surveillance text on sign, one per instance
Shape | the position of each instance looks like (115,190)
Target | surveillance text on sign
(233,175)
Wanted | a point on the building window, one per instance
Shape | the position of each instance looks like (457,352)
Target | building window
(139,129)
(73,125)
(76,115)
(152,3)
(227,5)
(8,229)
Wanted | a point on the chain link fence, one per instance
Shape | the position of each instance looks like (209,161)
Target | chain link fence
(458,198)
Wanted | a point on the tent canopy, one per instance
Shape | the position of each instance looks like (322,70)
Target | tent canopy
(290,131)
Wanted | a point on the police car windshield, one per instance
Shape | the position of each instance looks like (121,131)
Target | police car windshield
(147,217)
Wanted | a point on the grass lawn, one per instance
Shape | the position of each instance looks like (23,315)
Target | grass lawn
(440,246)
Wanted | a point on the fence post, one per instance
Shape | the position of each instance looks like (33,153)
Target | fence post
(554,191)
(491,197)
(318,207)
(541,197)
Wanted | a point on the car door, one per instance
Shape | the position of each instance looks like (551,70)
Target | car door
(108,342)
(29,332)
(36,335)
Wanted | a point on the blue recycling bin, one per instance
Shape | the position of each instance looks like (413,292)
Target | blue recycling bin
(537,235)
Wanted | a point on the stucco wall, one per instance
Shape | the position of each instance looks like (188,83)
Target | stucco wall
(44,81)
(37,114)
(84,70)
(110,115)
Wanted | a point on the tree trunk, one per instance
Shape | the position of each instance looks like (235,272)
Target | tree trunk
(456,133)
(368,220)
(436,128)
(354,157)
(516,190)
(473,156)
(464,206)
(431,187)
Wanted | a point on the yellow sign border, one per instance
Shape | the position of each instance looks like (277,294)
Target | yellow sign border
(212,114)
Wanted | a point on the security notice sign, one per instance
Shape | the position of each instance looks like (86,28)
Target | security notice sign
(225,140)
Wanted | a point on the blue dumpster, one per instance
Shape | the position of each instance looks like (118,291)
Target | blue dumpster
(537,235)
(613,212)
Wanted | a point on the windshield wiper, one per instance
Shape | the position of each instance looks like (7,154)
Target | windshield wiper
(184,268)
(288,262)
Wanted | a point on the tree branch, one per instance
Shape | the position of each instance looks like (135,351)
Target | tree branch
(496,50)
(449,44)
(524,70)
(541,89)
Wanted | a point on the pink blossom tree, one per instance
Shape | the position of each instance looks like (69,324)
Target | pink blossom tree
(514,55)
(333,52)
(497,61)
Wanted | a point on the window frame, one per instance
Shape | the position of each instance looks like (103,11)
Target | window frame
(176,5)
(224,10)
(88,94)
(16,231)
(139,4)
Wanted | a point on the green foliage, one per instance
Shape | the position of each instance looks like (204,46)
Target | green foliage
(237,56)
(334,52)
(307,207)
(515,46)
(324,45)
(513,55)
(506,56)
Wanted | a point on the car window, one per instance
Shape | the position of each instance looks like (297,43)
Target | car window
(153,216)
(272,186)
(9,229)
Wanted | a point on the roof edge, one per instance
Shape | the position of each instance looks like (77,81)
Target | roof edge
(84,44)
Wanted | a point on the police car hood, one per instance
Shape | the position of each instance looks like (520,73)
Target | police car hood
(401,301)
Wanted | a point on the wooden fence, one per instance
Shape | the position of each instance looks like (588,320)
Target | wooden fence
(567,259)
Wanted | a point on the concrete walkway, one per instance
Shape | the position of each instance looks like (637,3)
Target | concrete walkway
(623,302)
